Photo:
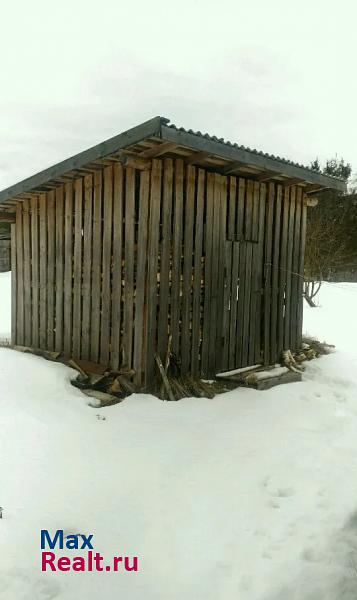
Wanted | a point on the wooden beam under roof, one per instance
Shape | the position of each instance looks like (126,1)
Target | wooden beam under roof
(158,150)
(196,157)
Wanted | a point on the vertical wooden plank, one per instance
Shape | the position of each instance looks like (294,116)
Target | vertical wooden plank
(77,267)
(27,274)
(289,264)
(87,265)
(215,276)
(268,271)
(222,309)
(165,254)
(177,257)
(301,272)
(197,275)
(153,247)
(43,271)
(240,210)
(259,266)
(275,277)
(35,271)
(233,306)
(295,272)
(255,304)
(140,291)
(282,270)
(247,273)
(50,288)
(241,276)
(208,245)
(227,303)
(232,209)
(68,271)
(13,286)
(129,267)
(187,269)
(106,265)
(97,266)
(20,276)
(60,259)
(118,198)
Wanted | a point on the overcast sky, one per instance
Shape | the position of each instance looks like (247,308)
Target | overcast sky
(276,75)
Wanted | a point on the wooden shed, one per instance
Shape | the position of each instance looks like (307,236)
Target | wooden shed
(162,240)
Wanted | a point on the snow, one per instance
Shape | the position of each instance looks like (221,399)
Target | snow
(249,496)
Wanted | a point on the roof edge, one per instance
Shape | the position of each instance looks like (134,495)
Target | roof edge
(149,128)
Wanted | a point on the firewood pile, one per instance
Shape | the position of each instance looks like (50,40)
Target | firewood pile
(107,387)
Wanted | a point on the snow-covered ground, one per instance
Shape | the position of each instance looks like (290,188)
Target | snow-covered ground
(250,496)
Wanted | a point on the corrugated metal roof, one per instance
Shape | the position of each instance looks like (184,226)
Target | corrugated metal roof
(180,143)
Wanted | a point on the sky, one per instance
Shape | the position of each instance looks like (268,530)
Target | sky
(275,75)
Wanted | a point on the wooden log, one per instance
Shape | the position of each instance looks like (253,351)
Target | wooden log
(164,377)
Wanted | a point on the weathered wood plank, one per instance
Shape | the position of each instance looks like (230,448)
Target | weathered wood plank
(116,321)
(27,274)
(176,270)
(165,256)
(43,271)
(268,271)
(129,266)
(153,247)
(60,258)
(259,350)
(241,277)
(282,270)
(301,273)
(232,209)
(240,210)
(97,266)
(289,264)
(87,266)
(140,291)
(68,271)
(222,309)
(13,286)
(275,276)
(208,249)
(77,267)
(233,305)
(35,271)
(51,290)
(255,304)
(187,269)
(247,273)
(197,275)
(215,276)
(295,271)
(106,263)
